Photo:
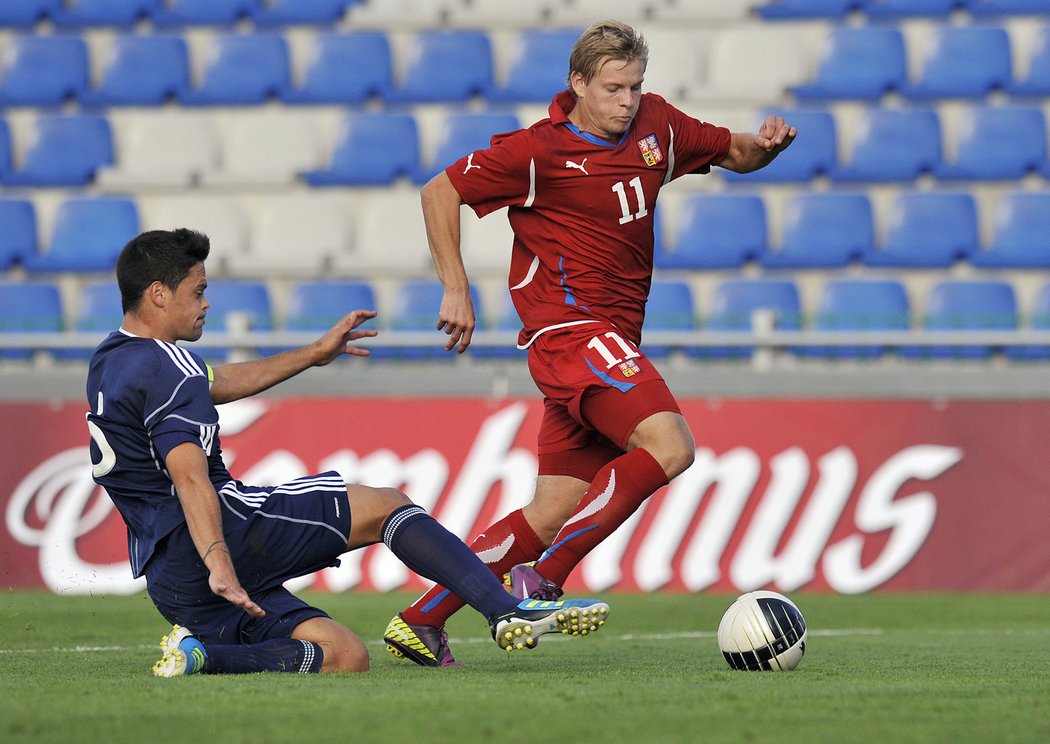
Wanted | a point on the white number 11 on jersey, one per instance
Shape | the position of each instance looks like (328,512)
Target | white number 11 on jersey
(621,192)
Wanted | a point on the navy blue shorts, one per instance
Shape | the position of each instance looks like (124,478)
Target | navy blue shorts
(274,534)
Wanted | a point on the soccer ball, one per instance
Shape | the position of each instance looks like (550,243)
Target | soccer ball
(762,631)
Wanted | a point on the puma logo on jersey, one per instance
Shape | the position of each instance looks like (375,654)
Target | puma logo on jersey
(470,163)
(579,166)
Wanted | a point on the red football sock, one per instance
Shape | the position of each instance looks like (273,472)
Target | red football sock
(615,494)
(502,546)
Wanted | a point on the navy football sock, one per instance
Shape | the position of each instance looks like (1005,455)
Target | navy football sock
(275,655)
(433,552)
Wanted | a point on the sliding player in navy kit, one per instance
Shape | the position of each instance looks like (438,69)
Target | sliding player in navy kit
(216,552)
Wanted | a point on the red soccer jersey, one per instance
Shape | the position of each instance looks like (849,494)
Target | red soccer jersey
(582,209)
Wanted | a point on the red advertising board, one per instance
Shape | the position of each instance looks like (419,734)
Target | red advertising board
(845,496)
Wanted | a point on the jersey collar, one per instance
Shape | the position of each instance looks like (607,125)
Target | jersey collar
(563,103)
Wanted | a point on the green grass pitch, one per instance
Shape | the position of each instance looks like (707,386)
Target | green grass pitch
(879,668)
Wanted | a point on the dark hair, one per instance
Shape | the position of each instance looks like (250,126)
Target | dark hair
(158,255)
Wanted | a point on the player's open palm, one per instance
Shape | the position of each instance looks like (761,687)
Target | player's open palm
(226,585)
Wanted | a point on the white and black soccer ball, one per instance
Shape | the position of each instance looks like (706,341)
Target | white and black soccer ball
(762,631)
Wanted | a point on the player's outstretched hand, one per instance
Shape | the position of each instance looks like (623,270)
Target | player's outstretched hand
(337,341)
(775,134)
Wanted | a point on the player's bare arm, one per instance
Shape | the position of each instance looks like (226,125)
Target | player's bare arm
(244,379)
(188,467)
(751,151)
(441,214)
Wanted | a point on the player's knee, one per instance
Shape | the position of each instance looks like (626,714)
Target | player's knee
(394,498)
(681,458)
(347,657)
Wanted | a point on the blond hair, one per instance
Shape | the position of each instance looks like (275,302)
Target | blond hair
(606,40)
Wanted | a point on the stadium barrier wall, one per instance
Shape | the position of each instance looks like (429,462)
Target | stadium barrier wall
(816,494)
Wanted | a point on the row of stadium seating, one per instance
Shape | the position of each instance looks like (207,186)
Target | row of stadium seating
(886,144)
(382,231)
(456,65)
(845,304)
(838,9)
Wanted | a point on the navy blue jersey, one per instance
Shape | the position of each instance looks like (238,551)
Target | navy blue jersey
(146,397)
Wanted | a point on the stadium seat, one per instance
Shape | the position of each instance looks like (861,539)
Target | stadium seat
(901,9)
(670,308)
(389,237)
(445,66)
(291,235)
(202,12)
(318,305)
(538,68)
(862,62)
(265,150)
(715,231)
(962,62)
(98,310)
(1006,7)
(344,68)
(18,239)
(64,151)
(1039,320)
(119,13)
(485,243)
(415,307)
(822,230)
(29,307)
(735,303)
(504,319)
(966,305)
(302,12)
(234,301)
(1020,235)
(160,147)
(852,305)
(461,134)
(997,143)
(141,70)
(892,144)
(242,69)
(1035,81)
(796,9)
(5,150)
(43,70)
(370,149)
(813,153)
(87,235)
(220,217)
(26,13)
(927,230)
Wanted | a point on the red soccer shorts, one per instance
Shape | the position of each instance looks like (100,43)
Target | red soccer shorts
(598,387)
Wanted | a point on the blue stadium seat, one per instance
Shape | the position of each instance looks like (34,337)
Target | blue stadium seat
(141,70)
(242,69)
(823,230)
(539,68)
(899,9)
(202,12)
(446,66)
(851,305)
(962,62)
(505,319)
(288,12)
(966,305)
(795,9)
(98,310)
(862,62)
(248,299)
(813,152)
(25,13)
(735,302)
(893,144)
(29,307)
(318,305)
(18,237)
(88,234)
(1036,80)
(715,231)
(65,151)
(344,68)
(670,308)
(1021,233)
(119,13)
(43,70)
(371,149)
(1006,7)
(462,134)
(927,230)
(1038,321)
(997,143)
(5,150)
(415,308)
